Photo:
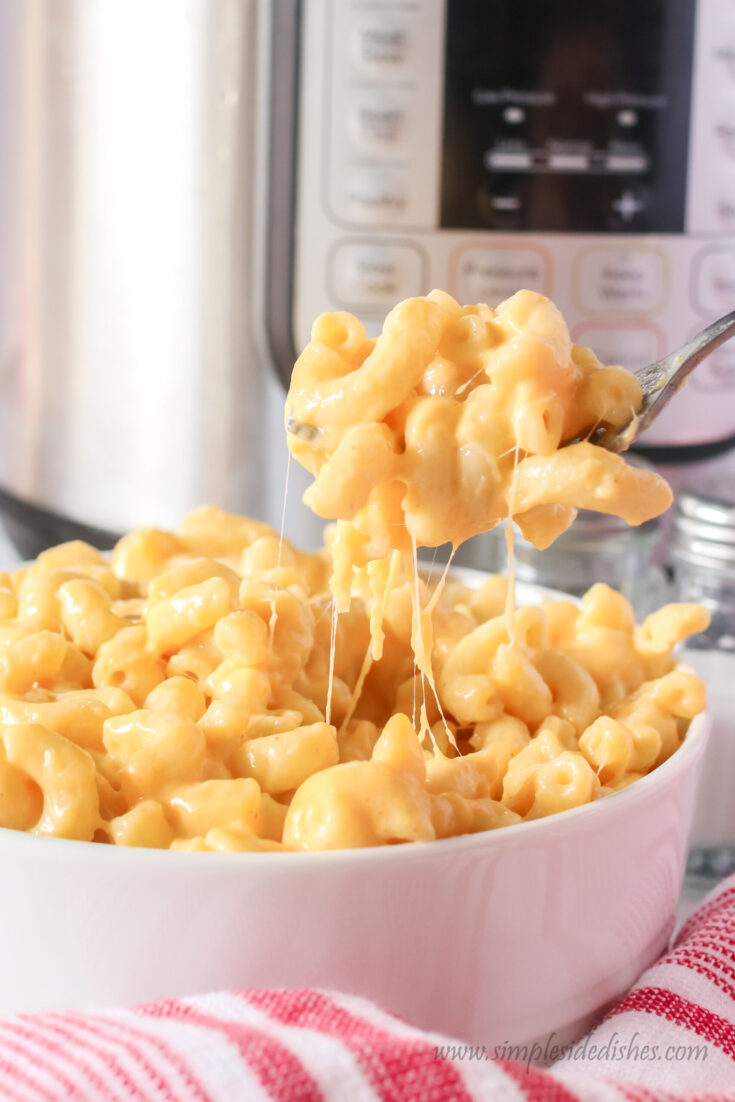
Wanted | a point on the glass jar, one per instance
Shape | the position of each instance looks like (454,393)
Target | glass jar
(703,558)
(596,548)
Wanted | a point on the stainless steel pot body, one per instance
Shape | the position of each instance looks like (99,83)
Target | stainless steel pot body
(130,384)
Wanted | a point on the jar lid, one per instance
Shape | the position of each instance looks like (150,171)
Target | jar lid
(704,525)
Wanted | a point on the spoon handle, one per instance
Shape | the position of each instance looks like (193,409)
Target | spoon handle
(661,380)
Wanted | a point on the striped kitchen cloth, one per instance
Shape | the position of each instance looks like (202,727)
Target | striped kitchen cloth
(671,1038)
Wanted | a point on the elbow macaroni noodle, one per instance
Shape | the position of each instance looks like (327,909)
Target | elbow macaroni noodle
(197,690)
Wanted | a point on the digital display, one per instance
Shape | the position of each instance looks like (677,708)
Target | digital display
(567,115)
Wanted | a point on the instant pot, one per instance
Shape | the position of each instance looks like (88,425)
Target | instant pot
(185,185)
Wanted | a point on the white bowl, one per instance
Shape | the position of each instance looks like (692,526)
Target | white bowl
(505,936)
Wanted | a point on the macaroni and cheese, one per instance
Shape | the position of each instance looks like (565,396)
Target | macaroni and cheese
(215,689)
(454,419)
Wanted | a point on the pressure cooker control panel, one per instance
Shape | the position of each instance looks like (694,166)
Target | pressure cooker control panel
(585,150)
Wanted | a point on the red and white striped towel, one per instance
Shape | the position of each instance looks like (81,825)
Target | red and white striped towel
(671,1038)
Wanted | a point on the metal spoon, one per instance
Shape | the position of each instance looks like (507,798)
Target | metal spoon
(661,380)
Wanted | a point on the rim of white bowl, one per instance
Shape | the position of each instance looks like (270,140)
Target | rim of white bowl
(526,593)
(616,803)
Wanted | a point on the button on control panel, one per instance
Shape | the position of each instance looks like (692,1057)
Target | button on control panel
(632,346)
(627,206)
(615,280)
(491,275)
(379,124)
(381,43)
(377,196)
(372,275)
(713,279)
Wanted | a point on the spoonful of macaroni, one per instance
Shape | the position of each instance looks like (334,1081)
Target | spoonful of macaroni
(459,417)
